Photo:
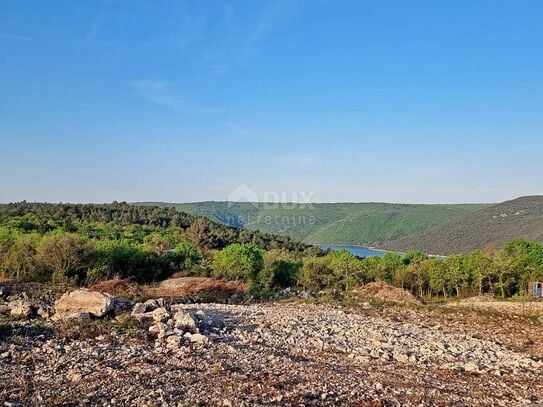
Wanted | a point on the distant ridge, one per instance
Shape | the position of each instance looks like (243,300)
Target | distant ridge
(363,224)
(493,225)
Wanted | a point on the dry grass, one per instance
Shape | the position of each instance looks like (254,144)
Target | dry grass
(126,288)
(90,329)
(202,286)
(525,308)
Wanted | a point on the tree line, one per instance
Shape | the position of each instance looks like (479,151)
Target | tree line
(503,272)
(84,244)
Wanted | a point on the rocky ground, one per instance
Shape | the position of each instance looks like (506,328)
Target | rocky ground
(271,354)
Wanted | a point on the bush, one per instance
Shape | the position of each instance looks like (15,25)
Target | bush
(238,262)
(315,275)
(67,256)
(20,260)
(281,273)
(117,258)
(190,257)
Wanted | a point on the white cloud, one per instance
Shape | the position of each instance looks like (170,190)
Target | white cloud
(161,93)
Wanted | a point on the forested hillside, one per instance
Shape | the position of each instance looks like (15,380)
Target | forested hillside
(132,222)
(491,226)
(86,243)
(331,223)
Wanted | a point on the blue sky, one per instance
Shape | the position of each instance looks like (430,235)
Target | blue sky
(401,101)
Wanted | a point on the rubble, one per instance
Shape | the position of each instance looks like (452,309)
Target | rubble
(271,353)
(22,306)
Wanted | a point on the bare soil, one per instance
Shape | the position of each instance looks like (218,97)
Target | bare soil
(200,286)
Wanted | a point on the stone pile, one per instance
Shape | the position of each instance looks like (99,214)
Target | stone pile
(22,306)
(176,327)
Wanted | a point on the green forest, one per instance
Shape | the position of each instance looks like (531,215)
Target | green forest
(85,244)
(365,224)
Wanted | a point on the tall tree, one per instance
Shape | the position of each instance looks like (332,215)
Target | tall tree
(200,236)
(68,256)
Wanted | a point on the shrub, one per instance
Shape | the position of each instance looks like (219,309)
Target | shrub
(238,262)
(190,257)
(67,256)
(315,275)
(117,258)
(21,262)
(281,273)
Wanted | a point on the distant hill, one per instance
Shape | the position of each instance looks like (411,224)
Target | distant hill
(493,225)
(364,224)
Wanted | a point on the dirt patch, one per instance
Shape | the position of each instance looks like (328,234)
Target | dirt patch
(271,354)
(384,292)
(201,286)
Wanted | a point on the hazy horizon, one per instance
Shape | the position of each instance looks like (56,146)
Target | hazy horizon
(261,202)
(358,101)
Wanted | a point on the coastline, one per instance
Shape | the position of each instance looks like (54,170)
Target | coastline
(380,249)
(376,248)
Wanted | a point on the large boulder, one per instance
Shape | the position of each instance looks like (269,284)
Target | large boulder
(21,308)
(121,305)
(83,302)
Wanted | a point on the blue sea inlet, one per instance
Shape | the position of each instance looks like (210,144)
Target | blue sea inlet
(357,250)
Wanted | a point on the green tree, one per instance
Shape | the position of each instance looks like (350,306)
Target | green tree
(68,256)
(437,273)
(238,262)
(458,275)
(315,274)
(415,275)
(390,263)
(199,234)
(189,256)
(155,243)
(117,258)
(280,273)
(348,270)
(481,268)
(20,261)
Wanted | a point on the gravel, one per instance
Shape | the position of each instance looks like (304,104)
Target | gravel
(269,354)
